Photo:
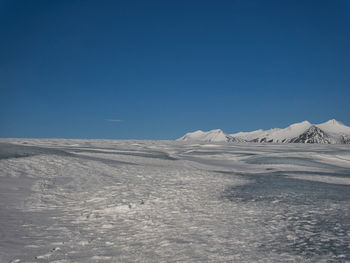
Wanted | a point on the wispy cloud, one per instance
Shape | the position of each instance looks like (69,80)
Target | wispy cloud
(113,120)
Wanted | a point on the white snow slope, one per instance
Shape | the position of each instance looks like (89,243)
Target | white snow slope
(331,131)
(167,201)
(210,136)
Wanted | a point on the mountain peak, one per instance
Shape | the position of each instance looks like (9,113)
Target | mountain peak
(334,127)
(313,135)
(216,135)
(333,122)
(303,123)
(216,131)
(197,132)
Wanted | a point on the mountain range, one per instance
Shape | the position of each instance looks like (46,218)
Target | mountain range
(330,132)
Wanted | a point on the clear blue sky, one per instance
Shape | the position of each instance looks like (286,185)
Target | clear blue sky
(68,68)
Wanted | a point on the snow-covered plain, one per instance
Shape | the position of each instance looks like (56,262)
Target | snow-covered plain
(166,201)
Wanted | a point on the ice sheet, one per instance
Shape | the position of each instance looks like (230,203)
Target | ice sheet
(164,201)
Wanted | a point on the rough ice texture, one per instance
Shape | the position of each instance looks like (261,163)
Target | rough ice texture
(163,201)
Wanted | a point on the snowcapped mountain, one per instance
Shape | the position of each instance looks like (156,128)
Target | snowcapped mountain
(329,132)
(313,135)
(249,136)
(210,136)
(281,135)
(337,130)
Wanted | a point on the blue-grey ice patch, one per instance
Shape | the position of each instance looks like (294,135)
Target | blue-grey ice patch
(299,161)
(8,150)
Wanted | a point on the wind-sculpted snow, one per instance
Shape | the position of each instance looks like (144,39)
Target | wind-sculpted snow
(164,201)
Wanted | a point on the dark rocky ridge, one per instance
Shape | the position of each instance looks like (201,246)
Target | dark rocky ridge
(313,135)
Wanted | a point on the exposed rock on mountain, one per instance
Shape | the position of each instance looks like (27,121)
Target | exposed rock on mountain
(313,135)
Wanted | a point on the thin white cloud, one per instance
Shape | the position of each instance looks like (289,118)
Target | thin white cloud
(114,120)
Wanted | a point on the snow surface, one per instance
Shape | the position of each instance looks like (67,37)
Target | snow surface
(165,201)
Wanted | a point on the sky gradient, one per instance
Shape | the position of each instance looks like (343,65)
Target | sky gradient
(158,69)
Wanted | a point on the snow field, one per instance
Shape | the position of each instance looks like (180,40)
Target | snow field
(158,201)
